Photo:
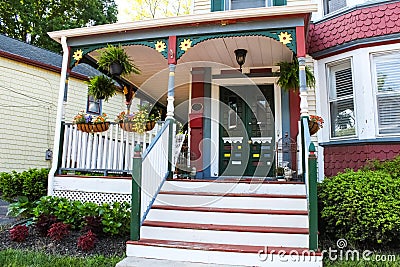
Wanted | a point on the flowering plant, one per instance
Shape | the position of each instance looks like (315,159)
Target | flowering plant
(317,119)
(83,117)
(140,118)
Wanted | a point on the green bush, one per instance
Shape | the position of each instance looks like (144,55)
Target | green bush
(115,218)
(31,184)
(362,207)
(391,167)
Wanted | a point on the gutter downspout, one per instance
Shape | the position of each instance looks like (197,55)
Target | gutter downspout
(60,113)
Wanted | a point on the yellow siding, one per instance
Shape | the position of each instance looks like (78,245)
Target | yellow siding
(28,107)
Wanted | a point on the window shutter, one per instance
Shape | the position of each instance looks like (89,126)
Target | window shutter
(344,82)
(217,5)
(279,2)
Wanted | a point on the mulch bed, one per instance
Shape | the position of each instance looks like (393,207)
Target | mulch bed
(105,245)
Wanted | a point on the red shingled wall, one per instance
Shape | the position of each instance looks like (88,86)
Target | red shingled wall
(340,157)
(359,24)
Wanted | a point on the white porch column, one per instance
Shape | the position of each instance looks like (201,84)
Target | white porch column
(171,92)
(60,113)
(303,87)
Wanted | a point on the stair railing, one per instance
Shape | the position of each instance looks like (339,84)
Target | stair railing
(309,164)
(149,173)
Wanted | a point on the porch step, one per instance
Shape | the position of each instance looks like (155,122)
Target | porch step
(235,186)
(226,223)
(234,255)
(217,216)
(244,201)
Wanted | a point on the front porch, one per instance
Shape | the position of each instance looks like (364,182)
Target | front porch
(235,121)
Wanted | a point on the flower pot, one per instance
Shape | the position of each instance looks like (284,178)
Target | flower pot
(115,69)
(93,128)
(150,125)
(313,127)
(126,126)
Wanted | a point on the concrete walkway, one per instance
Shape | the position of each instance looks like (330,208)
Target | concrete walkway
(140,262)
(3,211)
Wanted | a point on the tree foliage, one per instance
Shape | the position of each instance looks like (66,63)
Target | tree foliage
(30,20)
(142,9)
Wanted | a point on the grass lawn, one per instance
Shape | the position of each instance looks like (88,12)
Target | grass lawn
(22,258)
(364,263)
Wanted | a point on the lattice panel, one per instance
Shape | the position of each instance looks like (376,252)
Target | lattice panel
(95,197)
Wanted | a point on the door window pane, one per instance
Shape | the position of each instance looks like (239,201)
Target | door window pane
(341,99)
(387,89)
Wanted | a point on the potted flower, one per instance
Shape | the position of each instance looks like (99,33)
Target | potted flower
(315,123)
(115,60)
(91,124)
(101,87)
(140,121)
(289,75)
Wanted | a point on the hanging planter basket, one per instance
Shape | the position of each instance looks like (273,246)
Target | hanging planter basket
(116,69)
(93,128)
(126,126)
(313,127)
(150,125)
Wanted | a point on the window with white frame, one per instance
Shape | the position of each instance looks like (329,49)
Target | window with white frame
(240,4)
(333,5)
(387,89)
(93,105)
(341,99)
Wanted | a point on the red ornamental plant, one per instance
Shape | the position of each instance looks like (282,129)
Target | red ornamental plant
(58,230)
(86,242)
(19,233)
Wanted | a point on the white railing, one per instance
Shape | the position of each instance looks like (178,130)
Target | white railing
(155,163)
(109,151)
(305,153)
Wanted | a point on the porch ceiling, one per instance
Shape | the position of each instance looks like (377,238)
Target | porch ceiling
(215,53)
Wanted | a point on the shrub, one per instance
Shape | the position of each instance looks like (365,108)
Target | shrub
(391,167)
(44,222)
(58,230)
(93,224)
(19,233)
(86,242)
(115,218)
(31,183)
(22,208)
(362,207)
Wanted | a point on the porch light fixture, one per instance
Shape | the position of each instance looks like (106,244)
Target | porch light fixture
(240,56)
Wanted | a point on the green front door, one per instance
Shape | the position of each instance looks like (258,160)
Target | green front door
(247,131)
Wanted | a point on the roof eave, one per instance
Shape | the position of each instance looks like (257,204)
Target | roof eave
(208,18)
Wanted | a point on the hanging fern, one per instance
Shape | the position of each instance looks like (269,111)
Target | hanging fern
(289,76)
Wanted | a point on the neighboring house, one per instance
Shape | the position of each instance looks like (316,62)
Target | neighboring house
(356,47)
(29,82)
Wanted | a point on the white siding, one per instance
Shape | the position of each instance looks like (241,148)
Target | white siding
(202,6)
(28,99)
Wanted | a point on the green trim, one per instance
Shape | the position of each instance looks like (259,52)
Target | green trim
(279,3)
(60,146)
(217,5)
(272,33)
(136,193)
(149,43)
(312,199)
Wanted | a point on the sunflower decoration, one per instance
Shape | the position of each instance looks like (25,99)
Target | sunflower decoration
(185,44)
(78,54)
(285,38)
(160,46)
